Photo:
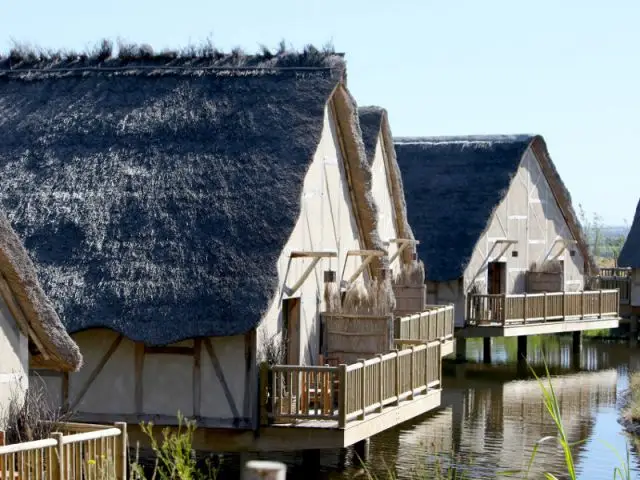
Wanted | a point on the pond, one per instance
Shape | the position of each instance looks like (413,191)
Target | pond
(490,420)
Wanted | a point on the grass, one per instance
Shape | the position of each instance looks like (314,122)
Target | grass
(632,413)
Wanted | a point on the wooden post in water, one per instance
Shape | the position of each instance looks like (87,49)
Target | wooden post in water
(264,470)
(486,349)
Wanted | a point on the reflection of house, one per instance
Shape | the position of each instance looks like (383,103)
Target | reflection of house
(630,257)
(499,424)
(493,216)
(29,324)
(189,216)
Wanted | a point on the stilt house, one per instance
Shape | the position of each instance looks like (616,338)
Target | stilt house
(630,258)
(493,217)
(193,215)
(29,325)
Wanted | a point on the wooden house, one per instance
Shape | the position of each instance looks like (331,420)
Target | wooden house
(29,324)
(630,259)
(496,223)
(189,217)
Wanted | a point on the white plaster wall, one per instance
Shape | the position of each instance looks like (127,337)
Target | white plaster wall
(14,361)
(381,187)
(326,222)
(443,293)
(530,215)
(167,379)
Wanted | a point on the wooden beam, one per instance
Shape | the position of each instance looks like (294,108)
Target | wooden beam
(249,379)
(220,374)
(189,351)
(314,254)
(139,376)
(197,376)
(103,361)
(18,315)
(404,240)
(65,391)
(291,290)
(366,253)
(371,254)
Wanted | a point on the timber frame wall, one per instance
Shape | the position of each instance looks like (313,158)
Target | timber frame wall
(124,381)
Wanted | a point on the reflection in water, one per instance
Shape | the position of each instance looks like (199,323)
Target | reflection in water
(492,422)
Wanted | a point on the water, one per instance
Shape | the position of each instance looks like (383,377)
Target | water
(490,421)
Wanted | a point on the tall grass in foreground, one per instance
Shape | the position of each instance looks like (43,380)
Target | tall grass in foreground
(464,472)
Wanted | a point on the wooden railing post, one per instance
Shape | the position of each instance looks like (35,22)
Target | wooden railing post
(397,365)
(544,306)
(380,386)
(363,387)
(264,393)
(504,308)
(342,396)
(582,304)
(524,308)
(121,452)
(411,371)
(58,463)
(564,305)
(601,298)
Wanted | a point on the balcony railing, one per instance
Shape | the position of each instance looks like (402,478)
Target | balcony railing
(97,452)
(541,307)
(347,393)
(612,278)
(434,323)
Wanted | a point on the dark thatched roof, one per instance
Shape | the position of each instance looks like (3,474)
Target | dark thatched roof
(43,326)
(630,253)
(155,196)
(454,184)
(374,123)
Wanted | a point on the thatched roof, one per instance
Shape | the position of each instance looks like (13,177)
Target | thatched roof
(630,253)
(155,194)
(454,184)
(29,304)
(374,123)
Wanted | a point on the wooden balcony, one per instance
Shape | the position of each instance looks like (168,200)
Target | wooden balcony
(434,323)
(76,452)
(528,314)
(349,402)
(616,278)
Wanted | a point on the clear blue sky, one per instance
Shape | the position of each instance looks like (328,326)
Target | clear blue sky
(568,69)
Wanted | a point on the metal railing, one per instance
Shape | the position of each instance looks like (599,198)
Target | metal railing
(347,393)
(541,307)
(434,323)
(97,453)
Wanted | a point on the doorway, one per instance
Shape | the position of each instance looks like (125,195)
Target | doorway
(496,278)
(291,330)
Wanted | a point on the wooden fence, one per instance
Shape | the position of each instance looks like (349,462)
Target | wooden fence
(615,272)
(348,337)
(612,278)
(346,393)
(95,453)
(434,323)
(541,307)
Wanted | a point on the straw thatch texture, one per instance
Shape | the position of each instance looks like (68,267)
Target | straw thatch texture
(374,123)
(454,184)
(155,196)
(20,274)
(630,253)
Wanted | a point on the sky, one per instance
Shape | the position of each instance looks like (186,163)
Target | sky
(569,70)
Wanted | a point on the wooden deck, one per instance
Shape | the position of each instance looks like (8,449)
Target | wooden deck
(541,313)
